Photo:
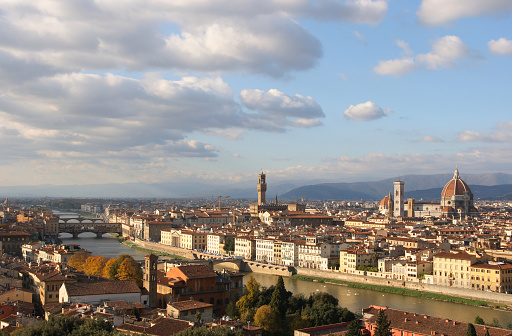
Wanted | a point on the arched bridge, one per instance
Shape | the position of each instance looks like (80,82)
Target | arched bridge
(99,228)
(80,219)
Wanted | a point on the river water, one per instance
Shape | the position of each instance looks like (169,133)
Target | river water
(353,299)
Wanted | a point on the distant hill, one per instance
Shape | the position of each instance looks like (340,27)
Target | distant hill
(426,187)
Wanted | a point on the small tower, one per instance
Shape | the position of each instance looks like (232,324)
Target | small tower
(398,208)
(262,188)
(389,214)
(150,278)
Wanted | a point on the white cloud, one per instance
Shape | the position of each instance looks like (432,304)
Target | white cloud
(446,52)
(360,37)
(428,138)
(114,116)
(397,67)
(365,112)
(501,47)
(502,133)
(196,35)
(444,12)
(405,47)
(278,109)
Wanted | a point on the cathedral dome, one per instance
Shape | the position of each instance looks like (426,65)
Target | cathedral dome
(456,187)
(384,201)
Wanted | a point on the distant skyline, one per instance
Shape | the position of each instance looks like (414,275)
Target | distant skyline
(96,92)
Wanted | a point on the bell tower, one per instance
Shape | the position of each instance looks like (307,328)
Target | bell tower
(150,262)
(398,209)
(262,188)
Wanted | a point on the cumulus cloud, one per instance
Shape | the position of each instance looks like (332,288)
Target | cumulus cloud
(444,12)
(396,67)
(277,109)
(91,117)
(446,52)
(365,112)
(502,133)
(197,35)
(502,47)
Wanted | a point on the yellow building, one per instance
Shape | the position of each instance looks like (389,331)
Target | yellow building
(351,259)
(492,276)
(453,269)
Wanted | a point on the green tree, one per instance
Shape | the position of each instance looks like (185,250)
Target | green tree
(268,319)
(354,329)
(279,299)
(495,323)
(383,324)
(229,244)
(322,308)
(471,330)
(232,310)
(479,320)
(206,331)
(136,313)
(299,322)
(65,325)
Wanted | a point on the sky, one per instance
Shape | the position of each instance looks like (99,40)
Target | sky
(118,91)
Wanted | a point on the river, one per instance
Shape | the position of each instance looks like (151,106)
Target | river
(353,299)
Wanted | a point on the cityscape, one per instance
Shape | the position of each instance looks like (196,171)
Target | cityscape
(266,168)
(196,260)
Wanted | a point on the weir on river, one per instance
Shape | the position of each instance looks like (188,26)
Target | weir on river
(353,299)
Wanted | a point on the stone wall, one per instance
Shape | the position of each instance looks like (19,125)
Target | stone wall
(250,266)
(459,292)
(167,249)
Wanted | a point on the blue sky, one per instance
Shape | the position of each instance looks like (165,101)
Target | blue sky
(195,90)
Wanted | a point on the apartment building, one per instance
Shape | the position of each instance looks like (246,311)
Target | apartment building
(453,269)
(245,247)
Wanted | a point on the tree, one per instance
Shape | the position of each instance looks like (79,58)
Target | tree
(383,324)
(65,325)
(354,329)
(130,270)
(232,310)
(94,265)
(471,330)
(229,244)
(108,266)
(279,299)
(77,260)
(267,318)
(322,308)
(479,320)
(113,268)
(249,299)
(495,323)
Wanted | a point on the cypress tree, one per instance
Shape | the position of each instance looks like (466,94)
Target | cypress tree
(471,330)
(278,302)
(383,325)
(354,329)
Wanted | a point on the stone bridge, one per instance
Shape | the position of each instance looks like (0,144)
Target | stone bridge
(99,228)
(80,219)
(241,264)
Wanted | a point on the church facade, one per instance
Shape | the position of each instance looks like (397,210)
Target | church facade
(456,202)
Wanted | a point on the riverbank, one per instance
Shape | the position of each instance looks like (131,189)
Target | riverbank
(400,291)
(149,251)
